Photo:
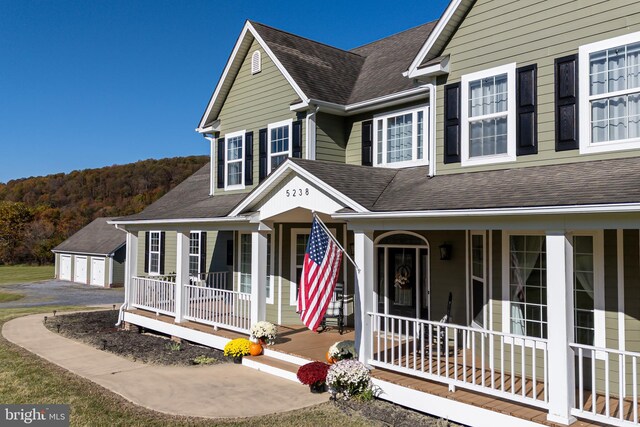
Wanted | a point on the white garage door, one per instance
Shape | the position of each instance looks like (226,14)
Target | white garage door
(81,269)
(97,271)
(65,267)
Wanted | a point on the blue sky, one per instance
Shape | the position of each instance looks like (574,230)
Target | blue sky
(86,84)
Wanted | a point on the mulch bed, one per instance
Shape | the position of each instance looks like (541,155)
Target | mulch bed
(97,328)
(388,414)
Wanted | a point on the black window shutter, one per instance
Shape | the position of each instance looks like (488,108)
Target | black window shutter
(248,158)
(146,251)
(296,144)
(566,97)
(221,149)
(526,110)
(230,252)
(262,160)
(162,239)
(452,123)
(203,252)
(367,143)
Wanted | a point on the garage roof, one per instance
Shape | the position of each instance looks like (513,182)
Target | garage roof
(97,238)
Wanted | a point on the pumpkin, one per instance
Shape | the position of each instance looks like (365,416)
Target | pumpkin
(330,360)
(255,349)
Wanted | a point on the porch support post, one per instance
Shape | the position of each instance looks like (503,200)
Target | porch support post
(130,265)
(182,272)
(258,276)
(560,326)
(363,253)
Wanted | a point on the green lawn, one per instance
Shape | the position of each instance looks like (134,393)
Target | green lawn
(10,274)
(7,297)
(26,378)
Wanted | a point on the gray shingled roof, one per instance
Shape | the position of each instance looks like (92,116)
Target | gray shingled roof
(97,238)
(345,77)
(189,199)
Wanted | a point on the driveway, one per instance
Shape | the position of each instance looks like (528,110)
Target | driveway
(58,292)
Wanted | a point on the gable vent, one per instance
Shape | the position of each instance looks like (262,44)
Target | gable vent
(256,62)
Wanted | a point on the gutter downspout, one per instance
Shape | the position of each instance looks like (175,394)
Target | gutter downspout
(125,303)
(311,136)
(432,129)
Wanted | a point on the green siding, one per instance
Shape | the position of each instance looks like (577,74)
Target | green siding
(169,252)
(499,32)
(330,138)
(256,100)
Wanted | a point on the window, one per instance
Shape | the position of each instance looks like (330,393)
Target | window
(194,254)
(528,285)
(154,252)
(488,116)
(478,279)
(256,62)
(301,240)
(399,138)
(268,288)
(279,143)
(234,161)
(245,263)
(610,96)
(583,290)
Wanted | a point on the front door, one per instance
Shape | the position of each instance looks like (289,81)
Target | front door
(402,281)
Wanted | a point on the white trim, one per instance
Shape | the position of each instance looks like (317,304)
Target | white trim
(247,28)
(510,156)
(414,138)
(444,20)
(239,258)
(295,232)
(620,276)
(432,129)
(212,164)
(199,233)
(270,271)
(223,219)
(310,134)
(284,123)
(228,136)
(159,252)
(287,166)
(544,210)
(483,279)
(586,146)
(86,253)
(280,233)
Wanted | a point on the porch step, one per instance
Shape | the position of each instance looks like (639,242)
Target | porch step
(272,366)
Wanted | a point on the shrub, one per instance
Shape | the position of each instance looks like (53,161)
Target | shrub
(204,360)
(264,330)
(343,350)
(313,373)
(348,378)
(237,347)
(173,346)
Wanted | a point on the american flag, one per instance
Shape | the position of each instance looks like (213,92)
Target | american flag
(319,276)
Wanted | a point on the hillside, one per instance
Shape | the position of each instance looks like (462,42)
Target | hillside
(37,213)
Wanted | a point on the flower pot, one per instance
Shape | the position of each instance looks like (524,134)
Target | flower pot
(318,388)
(237,359)
(255,349)
(330,360)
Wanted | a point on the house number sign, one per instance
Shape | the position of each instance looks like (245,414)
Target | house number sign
(297,192)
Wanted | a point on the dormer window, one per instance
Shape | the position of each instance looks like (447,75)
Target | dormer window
(256,62)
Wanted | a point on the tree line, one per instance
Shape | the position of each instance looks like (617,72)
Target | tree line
(38,213)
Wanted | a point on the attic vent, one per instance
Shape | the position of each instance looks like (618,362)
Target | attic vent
(256,62)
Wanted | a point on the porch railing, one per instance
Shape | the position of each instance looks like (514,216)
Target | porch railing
(218,307)
(607,385)
(216,279)
(503,365)
(154,294)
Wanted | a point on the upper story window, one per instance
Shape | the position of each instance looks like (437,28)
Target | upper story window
(488,116)
(399,138)
(256,62)
(279,143)
(610,94)
(234,161)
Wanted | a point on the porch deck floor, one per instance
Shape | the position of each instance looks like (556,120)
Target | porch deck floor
(300,341)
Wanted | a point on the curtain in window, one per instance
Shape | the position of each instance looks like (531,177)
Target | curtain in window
(522,268)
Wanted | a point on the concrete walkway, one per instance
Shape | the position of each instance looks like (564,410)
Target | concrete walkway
(219,391)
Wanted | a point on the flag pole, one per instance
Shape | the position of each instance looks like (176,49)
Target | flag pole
(335,240)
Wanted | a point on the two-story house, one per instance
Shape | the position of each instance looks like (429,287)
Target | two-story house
(488,159)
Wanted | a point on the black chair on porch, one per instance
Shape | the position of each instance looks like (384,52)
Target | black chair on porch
(439,334)
(335,310)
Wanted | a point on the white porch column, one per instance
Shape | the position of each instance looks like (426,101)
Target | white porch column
(258,276)
(182,272)
(130,265)
(560,326)
(363,256)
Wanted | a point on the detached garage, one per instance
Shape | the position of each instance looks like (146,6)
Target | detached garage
(93,256)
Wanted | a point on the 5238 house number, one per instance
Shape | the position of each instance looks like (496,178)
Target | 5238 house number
(297,192)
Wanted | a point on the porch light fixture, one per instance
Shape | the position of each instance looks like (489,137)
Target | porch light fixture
(445,252)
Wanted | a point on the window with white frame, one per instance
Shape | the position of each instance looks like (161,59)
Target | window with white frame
(610,96)
(245,263)
(194,254)
(279,143)
(528,285)
(268,288)
(478,278)
(488,116)
(154,252)
(399,138)
(234,160)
